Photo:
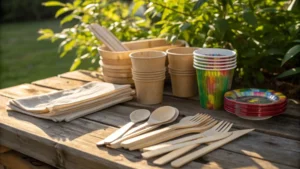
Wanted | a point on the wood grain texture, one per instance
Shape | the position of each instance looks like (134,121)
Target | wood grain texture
(83,75)
(24,90)
(275,148)
(59,83)
(72,145)
(279,125)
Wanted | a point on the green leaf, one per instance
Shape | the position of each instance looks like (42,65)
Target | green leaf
(75,64)
(290,72)
(295,50)
(62,11)
(136,6)
(198,4)
(45,34)
(66,19)
(149,10)
(250,18)
(185,26)
(53,3)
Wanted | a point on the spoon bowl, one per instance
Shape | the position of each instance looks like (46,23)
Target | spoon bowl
(135,117)
(158,116)
(139,115)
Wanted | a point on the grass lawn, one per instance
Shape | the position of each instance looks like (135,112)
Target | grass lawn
(24,59)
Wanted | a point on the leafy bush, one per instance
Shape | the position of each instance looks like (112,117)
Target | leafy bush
(260,31)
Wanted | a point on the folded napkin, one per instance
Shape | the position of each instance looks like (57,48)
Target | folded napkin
(70,104)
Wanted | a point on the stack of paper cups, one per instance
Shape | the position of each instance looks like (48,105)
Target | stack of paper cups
(215,69)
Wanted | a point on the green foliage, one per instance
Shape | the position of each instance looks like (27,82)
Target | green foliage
(114,15)
(260,31)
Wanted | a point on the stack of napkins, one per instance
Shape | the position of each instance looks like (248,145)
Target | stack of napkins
(70,104)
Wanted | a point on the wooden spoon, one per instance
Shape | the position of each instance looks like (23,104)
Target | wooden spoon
(117,143)
(135,117)
(158,116)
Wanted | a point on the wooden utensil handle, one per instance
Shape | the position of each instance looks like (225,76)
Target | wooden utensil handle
(144,137)
(160,151)
(168,136)
(135,129)
(177,141)
(174,154)
(199,153)
(118,133)
(117,143)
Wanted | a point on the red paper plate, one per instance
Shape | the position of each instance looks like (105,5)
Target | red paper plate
(253,113)
(255,97)
(251,107)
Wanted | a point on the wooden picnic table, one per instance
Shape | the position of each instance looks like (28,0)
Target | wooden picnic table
(275,143)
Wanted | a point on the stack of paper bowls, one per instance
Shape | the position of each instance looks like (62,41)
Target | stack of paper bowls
(116,65)
(149,73)
(215,69)
(255,104)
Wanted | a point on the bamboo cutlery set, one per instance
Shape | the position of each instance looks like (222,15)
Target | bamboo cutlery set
(164,142)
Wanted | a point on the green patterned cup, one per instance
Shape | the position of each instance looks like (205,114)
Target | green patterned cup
(212,85)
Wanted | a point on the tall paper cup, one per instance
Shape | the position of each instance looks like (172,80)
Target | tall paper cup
(212,85)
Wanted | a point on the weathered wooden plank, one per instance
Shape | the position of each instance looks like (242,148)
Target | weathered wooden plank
(255,144)
(292,110)
(67,145)
(59,83)
(24,90)
(15,160)
(279,125)
(83,75)
(72,145)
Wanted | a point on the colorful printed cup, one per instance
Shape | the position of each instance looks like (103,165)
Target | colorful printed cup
(212,85)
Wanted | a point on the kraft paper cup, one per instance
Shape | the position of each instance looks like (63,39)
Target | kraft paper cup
(149,77)
(114,67)
(118,80)
(149,73)
(149,92)
(148,61)
(212,85)
(181,58)
(184,85)
(191,72)
(214,53)
(116,61)
(116,74)
(116,70)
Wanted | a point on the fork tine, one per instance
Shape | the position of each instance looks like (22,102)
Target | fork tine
(224,127)
(218,125)
(196,116)
(227,127)
(203,119)
(221,126)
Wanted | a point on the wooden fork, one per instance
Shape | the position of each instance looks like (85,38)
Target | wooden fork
(196,120)
(221,127)
(174,134)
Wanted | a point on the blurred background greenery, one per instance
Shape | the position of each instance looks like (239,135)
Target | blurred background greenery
(265,34)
